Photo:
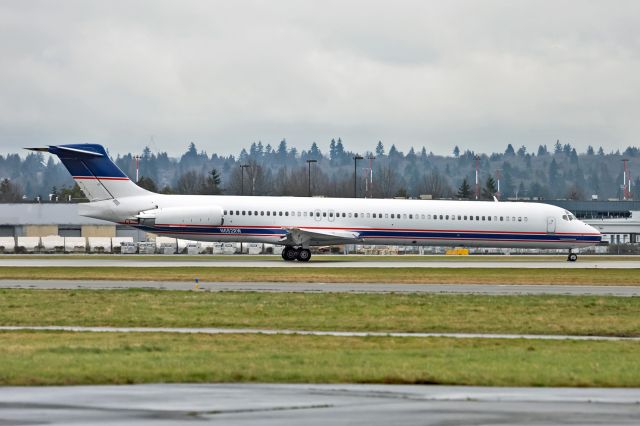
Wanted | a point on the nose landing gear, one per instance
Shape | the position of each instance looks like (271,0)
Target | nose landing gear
(292,253)
(572,256)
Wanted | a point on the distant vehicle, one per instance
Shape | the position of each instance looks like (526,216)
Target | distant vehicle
(299,223)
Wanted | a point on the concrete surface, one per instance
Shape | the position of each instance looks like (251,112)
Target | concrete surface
(278,263)
(487,289)
(264,404)
(333,333)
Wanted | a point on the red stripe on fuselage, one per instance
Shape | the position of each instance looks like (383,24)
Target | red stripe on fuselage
(100,178)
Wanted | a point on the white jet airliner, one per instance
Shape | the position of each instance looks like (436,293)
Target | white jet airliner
(299,223)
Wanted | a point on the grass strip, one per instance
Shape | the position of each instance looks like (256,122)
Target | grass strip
(539,314)
(332,275)
(328,258)
(61,358)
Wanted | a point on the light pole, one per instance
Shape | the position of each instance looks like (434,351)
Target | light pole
(355,175)
(477,180)
(137,157)
(242,167)
(309,179)
(370,157)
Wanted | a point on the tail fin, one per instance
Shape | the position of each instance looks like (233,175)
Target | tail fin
(95,173)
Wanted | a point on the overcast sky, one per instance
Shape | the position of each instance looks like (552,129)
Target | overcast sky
(478,74)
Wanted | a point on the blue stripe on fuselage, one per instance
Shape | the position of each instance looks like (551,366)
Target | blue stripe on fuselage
(366,233)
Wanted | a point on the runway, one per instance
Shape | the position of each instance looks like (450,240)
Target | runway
(481,289)
(339,404)
(238,262)
(273,332)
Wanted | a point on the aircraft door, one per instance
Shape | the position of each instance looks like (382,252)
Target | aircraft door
(551,225)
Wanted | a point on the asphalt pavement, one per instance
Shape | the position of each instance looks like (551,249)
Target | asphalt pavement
(282,405)
(270,262)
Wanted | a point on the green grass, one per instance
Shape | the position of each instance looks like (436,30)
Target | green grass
(61,358)
(580,315)
(332,275)
(328,258)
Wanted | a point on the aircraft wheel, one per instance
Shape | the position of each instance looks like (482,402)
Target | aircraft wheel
(304,255)
(289,254)
(572,257)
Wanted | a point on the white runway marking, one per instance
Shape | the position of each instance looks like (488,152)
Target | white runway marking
(185,330)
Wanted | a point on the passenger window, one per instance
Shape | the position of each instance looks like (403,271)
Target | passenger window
(344,215)
(484,218)
(525,218)
(237,212)
(225,212)
(349,214)
(477,217)
(330,214)
(317,214)
(268,213)
(324,214)
(489,218)
(410,216)
(386,215)
(261,213)
(279,213)
(286,213)
(441,217)
(391,215)
(255,212)
(305,214)
(355,215)
(519,219)
(459,217)
(243,212)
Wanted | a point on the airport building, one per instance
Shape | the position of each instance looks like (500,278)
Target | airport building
(33,223)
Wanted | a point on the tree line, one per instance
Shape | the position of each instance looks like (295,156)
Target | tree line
(558,171)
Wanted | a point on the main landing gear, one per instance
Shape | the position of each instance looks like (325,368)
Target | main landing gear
(572,256)
(296,253)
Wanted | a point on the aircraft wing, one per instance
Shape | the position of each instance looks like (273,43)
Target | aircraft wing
(310,237)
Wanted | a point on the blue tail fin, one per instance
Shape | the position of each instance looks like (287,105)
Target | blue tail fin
(95,173)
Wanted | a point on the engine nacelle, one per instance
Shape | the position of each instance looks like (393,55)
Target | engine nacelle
(183,216)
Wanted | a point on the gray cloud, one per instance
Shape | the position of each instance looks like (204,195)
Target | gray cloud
(224,74)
